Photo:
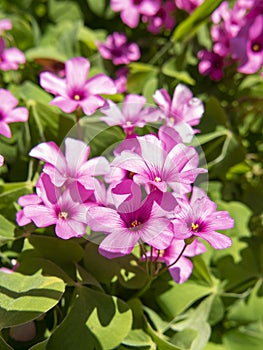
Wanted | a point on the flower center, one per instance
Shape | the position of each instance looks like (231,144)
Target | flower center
(157,179)
(135,223)
(63,215)
(76,97)
(194,227)
(256,47)
(161,253)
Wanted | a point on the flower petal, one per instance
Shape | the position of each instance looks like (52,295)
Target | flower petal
(119,243)
(49,152)
(65,104)
(19,114)
(51,83)
(104,219)
(216,240)
(100,84)
(76,70)
(40,215)
(76,154)
(182,270)
(156,233)
(132,106)
(67,229)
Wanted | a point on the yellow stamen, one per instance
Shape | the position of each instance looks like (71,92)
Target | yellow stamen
(256,47)
(135,223)
(63,215)
(76,97)
(194,227)
(157,179)
(161,253)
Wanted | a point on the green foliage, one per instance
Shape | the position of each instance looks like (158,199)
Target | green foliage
(24,298)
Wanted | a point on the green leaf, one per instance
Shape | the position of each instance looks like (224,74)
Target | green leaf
(214,110)
(9,195)
(98,7)
(138,67)
(95,321)
(248,311)
(185,338)
(169,69)
(137,338)
(189,26)
(62,11)
(4,345)
(180,296)
(217,311)
(24,298)
(241,215)
(124,269)
(138,80)
(201,270)
(45,52)
(40,346)
(149,89)
(89,37)
(197,320)
(58,250)
(160,340)
(7,230)
(213,346)
(241,339)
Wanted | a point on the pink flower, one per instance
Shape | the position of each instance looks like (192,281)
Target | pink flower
(134,220)
(247,46)
(188,5)
(1,160)
(5,24)
(180,112)
(211,64)
(8,112)
(119,50)
(130,10)
(227,23)
(75,91)
(199,218)
(10,58)
(57,208)
(73,167)
(164,18)
(154,167)
(133,113)
(24,201)
(182,269)
(121,79)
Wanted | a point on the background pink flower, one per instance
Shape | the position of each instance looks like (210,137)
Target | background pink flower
(130,10)
(118,49)
(8,112)
(75,90)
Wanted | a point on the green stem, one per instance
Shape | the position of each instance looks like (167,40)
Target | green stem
(78,115)
(160,53)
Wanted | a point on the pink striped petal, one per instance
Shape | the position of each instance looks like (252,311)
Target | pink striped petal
(51,83)
(100,84)
(77,70)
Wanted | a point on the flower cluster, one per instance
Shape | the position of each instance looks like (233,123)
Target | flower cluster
(237,38)
(148,195)
(12,57)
